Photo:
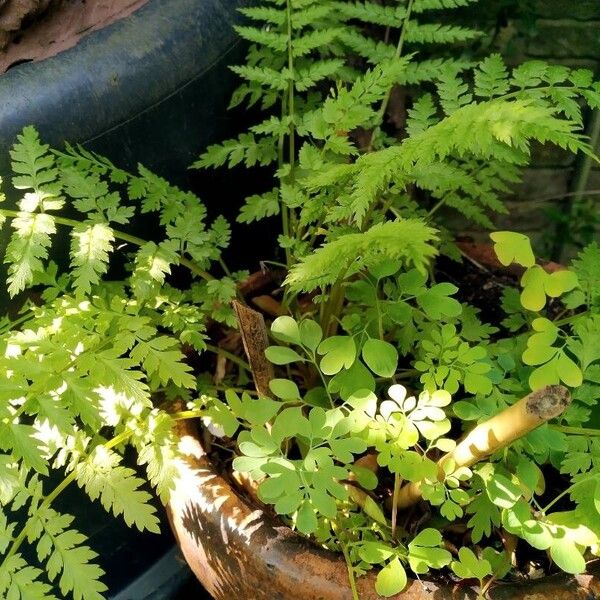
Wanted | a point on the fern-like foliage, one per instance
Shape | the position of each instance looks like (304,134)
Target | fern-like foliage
(157,450)
(102,199)
(20,580)
(498,128)
(299,52)
(409,241)
(325,71)
(87,362)
(91,246)
(103,477)
(34,166)
(68,561)
(28,248)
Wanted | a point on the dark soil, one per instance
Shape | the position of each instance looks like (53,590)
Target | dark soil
(478,285)
(481,284)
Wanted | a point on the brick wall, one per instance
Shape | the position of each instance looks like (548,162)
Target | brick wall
(561,32)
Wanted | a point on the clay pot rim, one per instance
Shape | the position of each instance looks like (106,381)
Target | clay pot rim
(280,549)
(277,548)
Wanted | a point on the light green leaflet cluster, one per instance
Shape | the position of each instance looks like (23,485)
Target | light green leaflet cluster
(82,363)
(346,415)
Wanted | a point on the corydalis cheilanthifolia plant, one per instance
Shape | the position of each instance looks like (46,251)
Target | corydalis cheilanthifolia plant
(357,199)
(82,366)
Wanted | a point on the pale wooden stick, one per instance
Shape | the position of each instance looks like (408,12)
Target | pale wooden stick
(497,432)
(256,341)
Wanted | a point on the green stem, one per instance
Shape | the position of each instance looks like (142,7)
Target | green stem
(332,309)
(395,212)
(566,195)
(481,591)
(184,415)
(351,577)
(285,227)
(406,374)
(559,497)
(576,430)
(398,54)
(395,503)
(436,207)
(291,104)
(19,321)
(579,184)
(230,356)
(287,109)
(18,541)
(313,360)
(386,207)
(379,313)
(225,268)
(121,235)
(385,102)
(568,320)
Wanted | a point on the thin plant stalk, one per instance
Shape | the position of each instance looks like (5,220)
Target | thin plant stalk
(351,577)
(395,503)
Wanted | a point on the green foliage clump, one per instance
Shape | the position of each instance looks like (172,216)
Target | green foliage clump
(379,366)
(350,171)
(83,365)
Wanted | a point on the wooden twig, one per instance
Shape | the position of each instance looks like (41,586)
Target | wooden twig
(497,432)
(254,337)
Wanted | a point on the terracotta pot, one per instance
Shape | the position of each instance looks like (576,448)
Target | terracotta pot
(239,552)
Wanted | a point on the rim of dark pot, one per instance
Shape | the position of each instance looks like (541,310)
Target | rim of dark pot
(237,550)
(119,72)
(150,88)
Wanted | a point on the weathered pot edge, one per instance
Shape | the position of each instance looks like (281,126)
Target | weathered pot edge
(240,552)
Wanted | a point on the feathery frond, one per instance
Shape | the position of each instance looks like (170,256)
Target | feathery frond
(407,240)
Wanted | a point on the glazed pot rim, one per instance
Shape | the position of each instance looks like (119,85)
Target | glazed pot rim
(209,498)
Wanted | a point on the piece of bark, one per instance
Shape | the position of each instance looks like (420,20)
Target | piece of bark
(47,27)
(220,370)
(254,337)
(259,281)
